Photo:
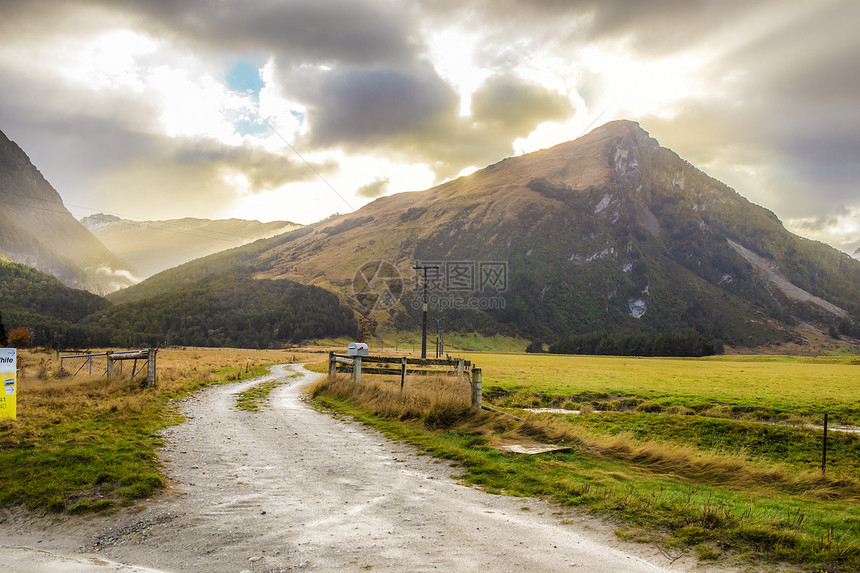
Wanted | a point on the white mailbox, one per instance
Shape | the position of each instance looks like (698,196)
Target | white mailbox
(357,349)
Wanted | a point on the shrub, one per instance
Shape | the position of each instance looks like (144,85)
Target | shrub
(20,337)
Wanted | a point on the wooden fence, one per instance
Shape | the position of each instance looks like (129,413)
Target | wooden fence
(111,368)
(400,366)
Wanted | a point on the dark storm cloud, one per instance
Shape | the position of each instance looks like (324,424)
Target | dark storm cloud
(299,31)
(363,106)
(416,116)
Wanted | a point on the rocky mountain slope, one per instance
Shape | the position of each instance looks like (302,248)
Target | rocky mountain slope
(36,229)
(154,246)
(607,232)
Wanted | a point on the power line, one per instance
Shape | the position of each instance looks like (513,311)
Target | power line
(300,156)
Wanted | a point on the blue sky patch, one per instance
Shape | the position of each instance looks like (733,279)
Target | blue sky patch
(245,78)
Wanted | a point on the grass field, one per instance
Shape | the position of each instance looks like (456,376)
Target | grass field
(765,387)
(83,444)
(705,455)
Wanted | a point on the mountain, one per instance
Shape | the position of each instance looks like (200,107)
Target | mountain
(36,229)
(153,246)
(608,232)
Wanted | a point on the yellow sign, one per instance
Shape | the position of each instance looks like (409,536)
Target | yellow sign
(8,373)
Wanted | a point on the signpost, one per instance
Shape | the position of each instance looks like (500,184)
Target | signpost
(9,374)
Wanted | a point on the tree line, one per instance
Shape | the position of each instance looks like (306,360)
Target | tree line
(677,343)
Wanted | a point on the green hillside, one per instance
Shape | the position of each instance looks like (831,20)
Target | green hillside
(50,309)
(243,257)
(227,308)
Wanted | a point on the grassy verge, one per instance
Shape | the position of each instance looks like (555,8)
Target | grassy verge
(82,444)
(677,494)
(254,398)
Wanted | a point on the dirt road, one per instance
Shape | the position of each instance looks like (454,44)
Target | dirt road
(291,488)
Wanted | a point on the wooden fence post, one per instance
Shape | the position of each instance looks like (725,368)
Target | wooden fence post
(332,364)
(476,388)
(150,367)
(356,370)
(460,365)
(109,365)
(402,372)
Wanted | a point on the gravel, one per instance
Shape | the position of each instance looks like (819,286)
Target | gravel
(289,488)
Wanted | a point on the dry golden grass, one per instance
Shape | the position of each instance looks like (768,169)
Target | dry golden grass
(45,397)
(438,402)
(688,462)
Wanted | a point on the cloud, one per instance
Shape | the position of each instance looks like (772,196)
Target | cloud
(335,32)
(374,189)
(92,89)
(841,229)
(365,106)
(518,106)
(196,176)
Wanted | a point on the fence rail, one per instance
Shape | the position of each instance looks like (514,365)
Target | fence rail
(399,366)
(113,363)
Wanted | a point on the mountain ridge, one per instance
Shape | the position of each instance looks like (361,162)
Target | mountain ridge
(608,231)
(154,246)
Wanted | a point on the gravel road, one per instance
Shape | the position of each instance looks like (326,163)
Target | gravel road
(291,488)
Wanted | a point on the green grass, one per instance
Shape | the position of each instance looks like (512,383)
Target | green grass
(771,387)
(679,457)
(252,399)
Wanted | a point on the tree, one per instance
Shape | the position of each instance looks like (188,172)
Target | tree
(535,347)
(20,337)
(3,335)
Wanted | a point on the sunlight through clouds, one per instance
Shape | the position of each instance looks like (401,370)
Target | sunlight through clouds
(415,93)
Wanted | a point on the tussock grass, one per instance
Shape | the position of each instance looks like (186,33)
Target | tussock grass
(677,495)
(436,402)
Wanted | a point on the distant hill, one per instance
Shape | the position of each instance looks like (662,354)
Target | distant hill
(608,232)
(154,246)
(36,229)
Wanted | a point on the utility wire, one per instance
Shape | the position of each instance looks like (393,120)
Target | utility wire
(300,156)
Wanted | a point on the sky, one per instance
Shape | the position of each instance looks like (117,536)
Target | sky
(295,110)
